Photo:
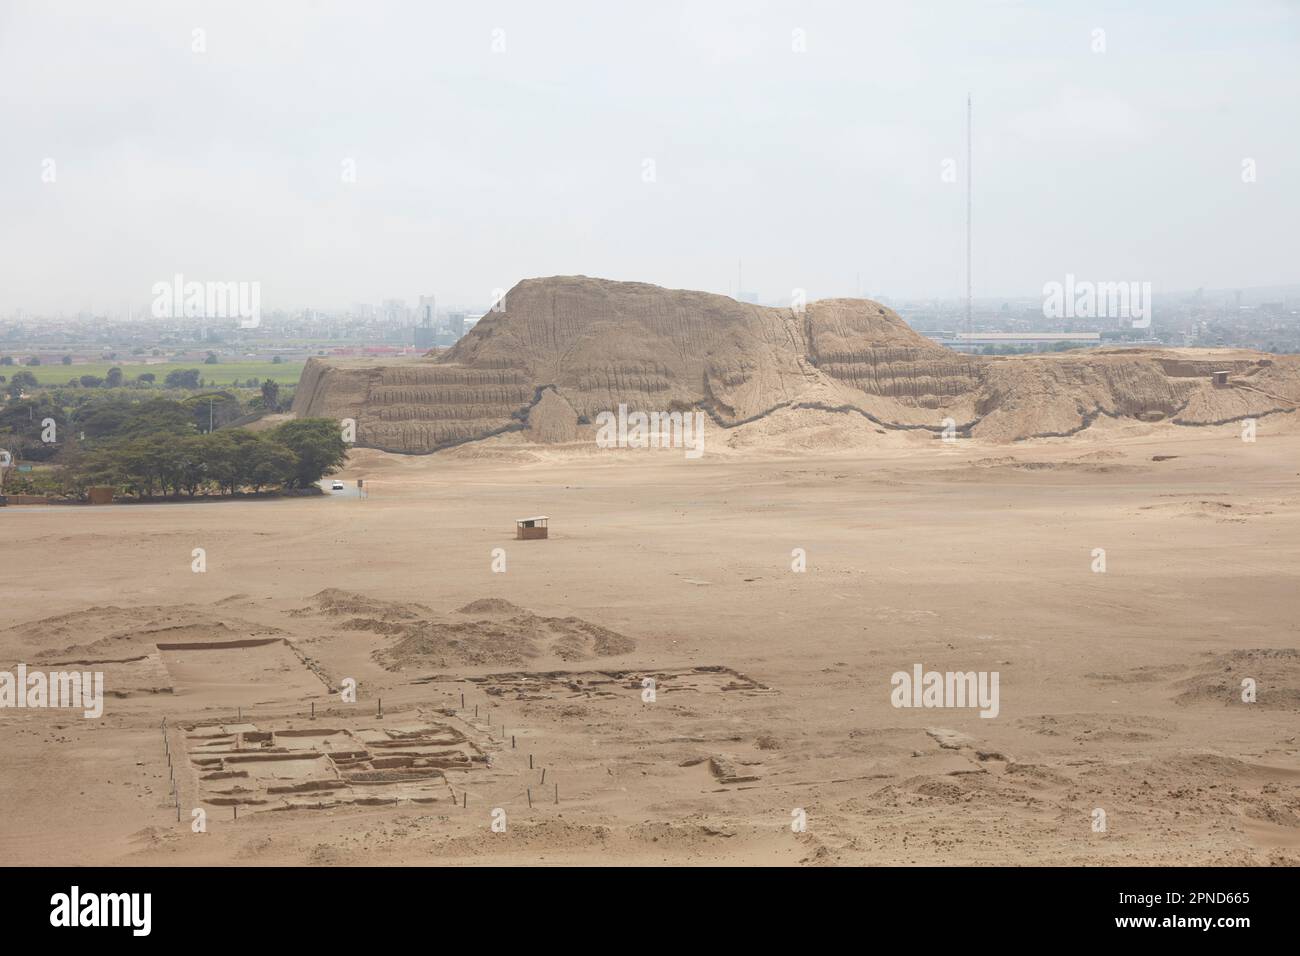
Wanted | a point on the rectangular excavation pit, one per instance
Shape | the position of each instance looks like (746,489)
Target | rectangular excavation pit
(238,672)
(286,763)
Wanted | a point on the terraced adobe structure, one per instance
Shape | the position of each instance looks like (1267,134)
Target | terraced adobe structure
(563,349)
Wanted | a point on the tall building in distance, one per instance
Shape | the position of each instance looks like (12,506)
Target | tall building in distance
(425,314)
(456,324)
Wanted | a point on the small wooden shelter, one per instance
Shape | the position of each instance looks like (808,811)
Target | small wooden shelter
(527,529)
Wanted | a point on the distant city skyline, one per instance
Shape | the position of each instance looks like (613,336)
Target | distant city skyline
(382,306)
(338,158)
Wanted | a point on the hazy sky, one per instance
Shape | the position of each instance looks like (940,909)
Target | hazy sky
(476,168)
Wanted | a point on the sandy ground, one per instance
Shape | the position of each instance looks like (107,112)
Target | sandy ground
(1119,691)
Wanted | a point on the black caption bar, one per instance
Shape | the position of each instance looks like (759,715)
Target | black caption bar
(333,904)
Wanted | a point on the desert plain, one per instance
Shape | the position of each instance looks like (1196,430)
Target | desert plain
(501,713)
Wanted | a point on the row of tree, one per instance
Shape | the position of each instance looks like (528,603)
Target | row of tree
(187,378)
(178,461)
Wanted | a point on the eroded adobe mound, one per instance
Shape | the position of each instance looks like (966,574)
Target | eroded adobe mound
(564,349)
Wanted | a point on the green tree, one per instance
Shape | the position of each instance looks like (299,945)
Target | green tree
(193,463)
(67,360)
(228,457)
(21,381)
(182,378)
(268,462)
(214,409)
(146,378)
(270,396)
(23,427)
(318,443)
(126,419)
(114,377)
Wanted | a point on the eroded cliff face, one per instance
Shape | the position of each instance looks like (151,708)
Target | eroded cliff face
(564,349)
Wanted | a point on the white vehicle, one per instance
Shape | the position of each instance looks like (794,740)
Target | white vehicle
(336,485)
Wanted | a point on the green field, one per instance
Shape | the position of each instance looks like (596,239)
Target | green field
(285,373)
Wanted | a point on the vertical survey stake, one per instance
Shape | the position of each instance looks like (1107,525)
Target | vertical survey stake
(1098,820)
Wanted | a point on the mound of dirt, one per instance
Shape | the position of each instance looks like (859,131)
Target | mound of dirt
(333,602)
(564,349)
(1273,675)
(1274,671)
(498,633)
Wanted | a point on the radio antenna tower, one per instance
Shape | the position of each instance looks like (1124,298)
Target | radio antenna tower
(969,328)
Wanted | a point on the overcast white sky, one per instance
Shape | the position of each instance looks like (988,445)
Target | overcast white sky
(477,168)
